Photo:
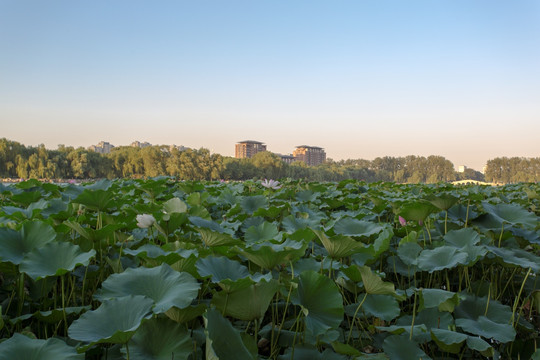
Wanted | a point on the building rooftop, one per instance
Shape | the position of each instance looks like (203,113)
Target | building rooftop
(250,142)
(309,147)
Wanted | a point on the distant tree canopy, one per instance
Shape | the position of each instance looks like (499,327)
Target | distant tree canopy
(19,161)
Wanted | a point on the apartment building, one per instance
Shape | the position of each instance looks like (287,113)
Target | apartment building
(311,155)
(102,147)
(248,148)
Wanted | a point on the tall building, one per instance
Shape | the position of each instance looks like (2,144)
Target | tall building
(103,147)
(248,148)
(311,155)
(140,144)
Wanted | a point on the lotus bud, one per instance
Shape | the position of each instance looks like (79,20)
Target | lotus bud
(145,221)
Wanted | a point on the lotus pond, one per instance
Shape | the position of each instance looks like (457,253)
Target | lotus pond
(224,271)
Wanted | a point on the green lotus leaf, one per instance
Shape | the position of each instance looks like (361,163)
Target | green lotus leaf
(488,329)
(16,244)
(292,224)
(320,300)
(165,286)
(443,201)
(268,255)
(213,238)
(27,197)
(443,257)
(478,344)
(185,314)
(448,341)
(224,340)
(160,339)
(174,205)
(462,238)
(512,214)
(384,307)
(517,257)
(115,321)
(472,307)
(248,303)
(262,232)
(373,284)
(338,246)
(99,200)
(220,268)
(417,211)
(54,259)
(354,227)
(441,299)
(20,347)
(307,352)
(250,204)
(401,348)
(201,223)
(56,315)
(408,253)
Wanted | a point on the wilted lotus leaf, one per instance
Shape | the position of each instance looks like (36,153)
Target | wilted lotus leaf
(165,286)
(20,347)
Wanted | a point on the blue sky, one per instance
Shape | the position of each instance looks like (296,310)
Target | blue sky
(457,78)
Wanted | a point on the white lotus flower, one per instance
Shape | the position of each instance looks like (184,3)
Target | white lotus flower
(145,221)
(271,184)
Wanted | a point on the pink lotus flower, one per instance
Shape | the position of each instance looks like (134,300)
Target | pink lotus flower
(271,184)
(402,221)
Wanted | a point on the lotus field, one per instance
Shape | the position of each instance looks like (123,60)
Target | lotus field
(160,269)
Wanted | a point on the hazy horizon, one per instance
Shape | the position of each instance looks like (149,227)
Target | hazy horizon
(362,79)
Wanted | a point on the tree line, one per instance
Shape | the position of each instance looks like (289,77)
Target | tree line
(19,161)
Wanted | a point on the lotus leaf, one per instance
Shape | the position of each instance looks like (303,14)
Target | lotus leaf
(441,299)
(417,211)
(401,348)
(268,255)
(264,231)
(15,245)
(440,258)
(512,214)
(488,329)
(165,286)
(338,246)
(373,284)
(224,339)
(174,205)
(448,341)
(115,321)
(322,301)
(54,259)
(353,227)
(250,204)
(20,347)
(160,339)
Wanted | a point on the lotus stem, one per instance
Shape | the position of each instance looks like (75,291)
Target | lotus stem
(354,317)
(63,304)
(518,296)
(413,316)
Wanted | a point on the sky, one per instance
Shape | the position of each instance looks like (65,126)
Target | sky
(360,78)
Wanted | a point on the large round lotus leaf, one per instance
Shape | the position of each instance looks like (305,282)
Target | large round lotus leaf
(160,339)
(441,299)
(99,199)
(488,329)
(417,211)
(20,347)
(165,286)
(213,238)
(15,245)
(268,255)
(443,201)
(448,341)
(249,303)
(251,203)
(443,257)
(373,284)
(174,205)
(399,347)
(321,302)
(354,227)
(462,237)
(338,246)
(54,259)
(384,307)
(511,213)
(224,340)
(220,268)
(292,224)
(517,257)
(261,232)
(476,343)
(472,307)
(115,321)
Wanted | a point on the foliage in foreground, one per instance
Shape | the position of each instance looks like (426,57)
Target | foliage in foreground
(237,271)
